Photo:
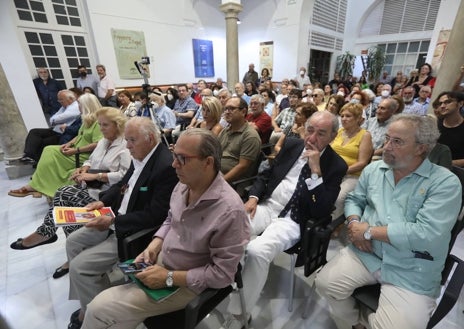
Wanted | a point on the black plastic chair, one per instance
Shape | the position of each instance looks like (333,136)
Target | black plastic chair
(310,250)
(198,308)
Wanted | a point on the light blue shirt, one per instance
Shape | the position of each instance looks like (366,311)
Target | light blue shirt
(65,115)
(419,212)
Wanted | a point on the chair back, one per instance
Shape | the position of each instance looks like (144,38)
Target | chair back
(314,244)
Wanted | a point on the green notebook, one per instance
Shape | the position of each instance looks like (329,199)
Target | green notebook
(156,294)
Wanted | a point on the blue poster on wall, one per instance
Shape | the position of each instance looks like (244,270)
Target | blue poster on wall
(203,58)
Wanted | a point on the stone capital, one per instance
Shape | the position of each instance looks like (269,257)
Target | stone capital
(231,9)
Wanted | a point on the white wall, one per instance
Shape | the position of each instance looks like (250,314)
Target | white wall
(16,69)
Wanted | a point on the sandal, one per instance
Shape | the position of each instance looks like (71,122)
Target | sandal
(23,191)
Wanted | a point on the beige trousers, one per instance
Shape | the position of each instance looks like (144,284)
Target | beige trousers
(398,307)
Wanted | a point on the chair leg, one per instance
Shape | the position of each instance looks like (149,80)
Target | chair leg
(292,282)
(243,306)
(308,301)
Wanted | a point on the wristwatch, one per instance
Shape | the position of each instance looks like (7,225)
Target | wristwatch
(314,176)
(367,234)
(169,279)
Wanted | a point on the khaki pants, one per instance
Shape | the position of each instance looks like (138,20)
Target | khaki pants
(398,307)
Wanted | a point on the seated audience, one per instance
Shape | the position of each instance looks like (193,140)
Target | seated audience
(269,100)
(424,98)
(142,104)
(171,97)
(239,89)
(259,119)
(424,78)
(217,231)
(334,104)
(241,144)
(57,162)
(250,89)
(318,98)
(211,111)
(410,106)
(284,120)
(371,107)
(198,95)
(140,200)
(108,162)
(451,124)
(205,92)
(184,110)
(399,219)
(163,115)
(38,138)
(303,182)
(354,145)
(377,126)
(127,106)
(302,113)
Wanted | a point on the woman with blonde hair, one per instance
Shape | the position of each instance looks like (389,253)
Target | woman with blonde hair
(211,109)
(57,162)
(107,165)
(354,145)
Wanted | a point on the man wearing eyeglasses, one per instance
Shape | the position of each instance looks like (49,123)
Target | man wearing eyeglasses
(198,246)
(451,123)
(399,219)
(241,144)
(140,200)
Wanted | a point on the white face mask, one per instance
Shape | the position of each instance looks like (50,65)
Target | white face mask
(155,105)
(302,72)
(170,97)
(385,93)
(355,101)
(309,92)
(216,92)
(138,104)
(341,93)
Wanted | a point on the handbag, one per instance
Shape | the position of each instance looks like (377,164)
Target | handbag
(96,184)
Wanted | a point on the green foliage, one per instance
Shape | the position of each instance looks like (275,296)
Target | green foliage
(345,64)
(375,62)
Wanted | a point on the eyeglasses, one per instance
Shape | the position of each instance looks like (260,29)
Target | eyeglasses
(181,158)
(446,102)
(254,103)
(395,142)
(231,108)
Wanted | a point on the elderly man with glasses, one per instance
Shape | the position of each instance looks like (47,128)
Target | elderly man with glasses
(198,246)
(399,219)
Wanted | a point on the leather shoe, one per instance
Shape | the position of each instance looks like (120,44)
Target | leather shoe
(18,244)
(59,272)
(74,322)
(75,315)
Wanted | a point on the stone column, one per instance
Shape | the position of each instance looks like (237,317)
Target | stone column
(13,132)
(453,58)
(231,10)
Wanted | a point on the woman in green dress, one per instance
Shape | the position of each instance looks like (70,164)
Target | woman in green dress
(57,162)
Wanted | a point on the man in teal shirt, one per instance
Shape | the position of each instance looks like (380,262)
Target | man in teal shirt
(399,220)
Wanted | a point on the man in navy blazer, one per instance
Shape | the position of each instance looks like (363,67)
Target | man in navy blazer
(276,189)
(140,200)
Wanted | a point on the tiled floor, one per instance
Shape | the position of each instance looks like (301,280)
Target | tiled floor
(31,298)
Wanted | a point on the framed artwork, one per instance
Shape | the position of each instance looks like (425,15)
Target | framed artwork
(203,58)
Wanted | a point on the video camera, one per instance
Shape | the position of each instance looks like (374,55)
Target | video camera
(141,67)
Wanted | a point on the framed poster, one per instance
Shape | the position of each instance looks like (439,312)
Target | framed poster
(203,58)
(129,47)
(266,56)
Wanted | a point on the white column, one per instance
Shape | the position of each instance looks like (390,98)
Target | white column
(231,10)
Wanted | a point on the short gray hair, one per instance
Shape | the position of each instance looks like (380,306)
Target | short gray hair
(333,118)
(426,129)
(209,145)
(257,97)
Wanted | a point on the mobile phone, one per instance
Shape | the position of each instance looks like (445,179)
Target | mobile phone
(130,268)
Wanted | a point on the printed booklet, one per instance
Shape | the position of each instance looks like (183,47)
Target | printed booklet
(78,215)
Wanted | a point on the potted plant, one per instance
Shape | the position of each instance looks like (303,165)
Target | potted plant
(345,64)
(375,62)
